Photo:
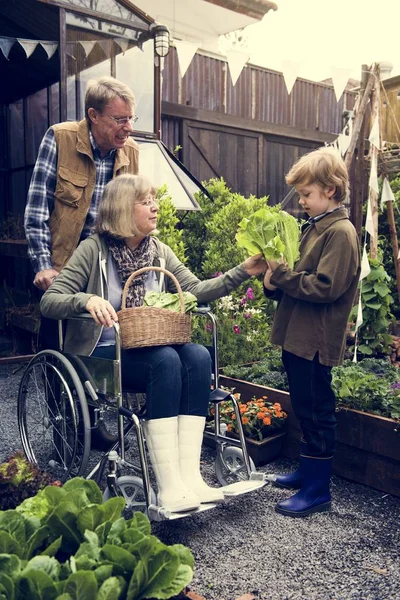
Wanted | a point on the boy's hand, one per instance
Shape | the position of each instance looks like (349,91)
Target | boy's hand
(267,279)
(274,264)
(255,265)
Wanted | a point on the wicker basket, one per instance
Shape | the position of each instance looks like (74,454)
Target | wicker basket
(148,326)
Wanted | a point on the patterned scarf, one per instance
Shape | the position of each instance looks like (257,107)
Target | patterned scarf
(127,261)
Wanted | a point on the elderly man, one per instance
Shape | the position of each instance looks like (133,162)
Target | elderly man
(75,162)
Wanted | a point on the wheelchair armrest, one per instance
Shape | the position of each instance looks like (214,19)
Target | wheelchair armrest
(202,309)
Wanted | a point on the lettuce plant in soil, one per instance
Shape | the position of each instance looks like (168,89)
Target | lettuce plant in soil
(65,544)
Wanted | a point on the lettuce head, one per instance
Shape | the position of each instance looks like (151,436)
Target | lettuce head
(271,232)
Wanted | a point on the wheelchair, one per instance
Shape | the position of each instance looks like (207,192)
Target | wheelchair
(61,399)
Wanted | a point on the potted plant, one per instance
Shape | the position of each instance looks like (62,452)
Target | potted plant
(263,426)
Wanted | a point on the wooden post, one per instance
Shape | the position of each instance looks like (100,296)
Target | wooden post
(359,118)
(373,155)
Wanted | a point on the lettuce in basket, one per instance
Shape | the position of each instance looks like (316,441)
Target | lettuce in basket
(170,301)
(271,231)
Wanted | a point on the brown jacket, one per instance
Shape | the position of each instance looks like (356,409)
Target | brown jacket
(315,299)
(76,178)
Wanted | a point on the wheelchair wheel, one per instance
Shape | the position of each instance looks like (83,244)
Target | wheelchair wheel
(230,466)
(130,487)
(53,417)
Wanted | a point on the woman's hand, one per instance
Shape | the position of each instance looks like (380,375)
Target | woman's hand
(267,279)
(255,265)
(102,311)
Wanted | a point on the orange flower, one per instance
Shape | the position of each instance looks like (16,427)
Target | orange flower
(243,409)
(237,396)
(229,427)
(267,421)
(233,416)
(277,406)
(265,397)
(245,420)
(260,415)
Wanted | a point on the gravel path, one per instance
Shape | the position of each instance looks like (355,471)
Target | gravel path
(244,546)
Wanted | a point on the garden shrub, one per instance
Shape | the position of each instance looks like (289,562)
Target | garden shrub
(168,225)
(385,241)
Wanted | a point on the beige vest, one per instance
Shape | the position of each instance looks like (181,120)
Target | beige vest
(76,178)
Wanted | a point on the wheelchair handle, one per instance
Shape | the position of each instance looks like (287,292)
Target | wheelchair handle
(160,270)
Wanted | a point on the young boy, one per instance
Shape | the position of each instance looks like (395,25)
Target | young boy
(314,302)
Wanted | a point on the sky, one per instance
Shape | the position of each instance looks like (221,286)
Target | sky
(320,34)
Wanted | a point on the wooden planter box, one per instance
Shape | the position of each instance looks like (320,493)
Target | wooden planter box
(368,446)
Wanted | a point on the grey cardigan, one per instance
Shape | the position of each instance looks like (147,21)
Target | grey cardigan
(85,275)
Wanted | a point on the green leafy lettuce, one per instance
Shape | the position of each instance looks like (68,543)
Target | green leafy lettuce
(170,301)
(272,232)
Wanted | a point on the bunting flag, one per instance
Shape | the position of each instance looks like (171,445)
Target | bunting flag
(369,225)
(359,322)
(88,46)
(365,268)
(343,143)
(28,45)
(122,43)
(374,136)
(5,45)
(70,50)
(236,61)
(340,78)
(290,71)
(387,193)
(106,46)
(186,52)
(373,176)
(50,48)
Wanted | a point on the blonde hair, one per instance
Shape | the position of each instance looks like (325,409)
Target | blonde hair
(324,167)
(116,212)
(102,91)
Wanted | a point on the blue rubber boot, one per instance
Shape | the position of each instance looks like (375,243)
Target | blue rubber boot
(314,495)
(291,481)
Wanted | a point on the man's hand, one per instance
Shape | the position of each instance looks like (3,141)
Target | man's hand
(101,310)
(255,265)
(274,264)
(44,279)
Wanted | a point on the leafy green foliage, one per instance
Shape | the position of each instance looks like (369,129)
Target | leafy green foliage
(271,231)
(20,479)
(269,372)
(168,225)
(370,385)
(65,544)
(385,241)
(170,301)
(373,336)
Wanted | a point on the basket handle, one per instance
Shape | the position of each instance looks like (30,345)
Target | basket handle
(160,270)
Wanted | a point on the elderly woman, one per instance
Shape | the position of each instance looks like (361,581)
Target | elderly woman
(176,379)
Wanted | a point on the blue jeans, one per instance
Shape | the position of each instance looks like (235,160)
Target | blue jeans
(313,403)
(175,379)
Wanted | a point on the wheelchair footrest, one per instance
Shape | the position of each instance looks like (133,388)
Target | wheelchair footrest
(158,513)
(242,487)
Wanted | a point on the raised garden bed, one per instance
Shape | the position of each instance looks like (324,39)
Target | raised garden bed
(368,446)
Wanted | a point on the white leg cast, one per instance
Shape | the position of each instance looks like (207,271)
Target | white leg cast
(190,436)
(162,443)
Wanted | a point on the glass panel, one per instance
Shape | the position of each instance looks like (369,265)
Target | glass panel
(136,69)
(55,104)
(36,123)
(17,143)
(160,169)
(112,8)
(96,48)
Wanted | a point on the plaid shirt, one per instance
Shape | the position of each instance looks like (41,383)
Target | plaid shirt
(40,202)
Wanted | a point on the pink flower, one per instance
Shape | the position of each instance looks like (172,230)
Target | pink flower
(247,315)
(218,274)
(236,329)
(250,294)
(243,301)
(209,327)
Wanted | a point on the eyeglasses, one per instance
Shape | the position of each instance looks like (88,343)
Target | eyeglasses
(123,120)
(149,201)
